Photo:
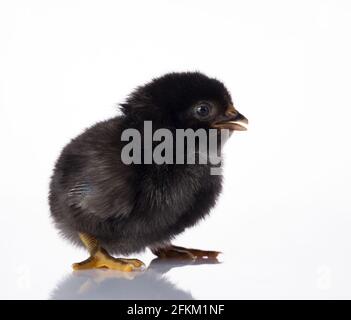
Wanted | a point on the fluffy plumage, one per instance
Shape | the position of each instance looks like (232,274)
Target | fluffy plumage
(131,207)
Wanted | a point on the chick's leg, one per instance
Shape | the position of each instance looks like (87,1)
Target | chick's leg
(99,257)
(173,252)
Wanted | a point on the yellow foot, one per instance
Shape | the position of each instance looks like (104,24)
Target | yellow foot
(101,259)
(184,253)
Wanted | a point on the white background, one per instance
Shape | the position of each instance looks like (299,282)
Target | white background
(283,220)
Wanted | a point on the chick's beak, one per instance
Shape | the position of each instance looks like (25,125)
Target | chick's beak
(232,120)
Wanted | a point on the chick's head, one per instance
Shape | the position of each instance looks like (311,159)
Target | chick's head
(184,100)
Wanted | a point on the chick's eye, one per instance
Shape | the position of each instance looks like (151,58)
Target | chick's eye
(202,110)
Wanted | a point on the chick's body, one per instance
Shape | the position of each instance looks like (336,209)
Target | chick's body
(126,207)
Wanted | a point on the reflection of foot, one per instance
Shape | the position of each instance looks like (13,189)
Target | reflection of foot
(161,265)
(101,259)
(176,252)
(95,277)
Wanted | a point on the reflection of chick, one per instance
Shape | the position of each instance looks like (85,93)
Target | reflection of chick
(106,284)
(98,201)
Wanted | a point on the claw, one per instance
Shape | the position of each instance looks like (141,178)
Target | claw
(135,262)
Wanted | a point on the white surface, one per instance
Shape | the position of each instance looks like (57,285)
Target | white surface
(283,220)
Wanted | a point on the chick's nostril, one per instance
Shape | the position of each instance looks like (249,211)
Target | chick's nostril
(231,112)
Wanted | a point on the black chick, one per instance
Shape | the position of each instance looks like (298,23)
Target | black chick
(98,201)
